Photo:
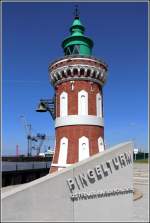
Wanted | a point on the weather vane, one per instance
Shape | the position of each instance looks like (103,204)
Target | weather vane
(76,11)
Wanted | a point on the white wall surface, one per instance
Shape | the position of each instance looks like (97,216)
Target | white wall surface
(100,144)
(99,104)
(49,198)
(63,104)
(82,103)
(83,148)
(62,158)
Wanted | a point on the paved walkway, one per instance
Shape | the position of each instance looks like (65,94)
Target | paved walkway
(141,206)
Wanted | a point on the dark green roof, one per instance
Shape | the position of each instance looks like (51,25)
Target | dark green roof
(77,38)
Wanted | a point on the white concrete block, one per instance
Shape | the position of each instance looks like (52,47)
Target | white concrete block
(105,179)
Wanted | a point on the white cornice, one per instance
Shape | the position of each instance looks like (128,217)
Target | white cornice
(72,72)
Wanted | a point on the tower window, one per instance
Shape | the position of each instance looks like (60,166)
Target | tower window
(76,49)
(68,51)
(83,103)
(83,148)
(100,144)
(62,159)
(72,50)
(63,104)
(99,104)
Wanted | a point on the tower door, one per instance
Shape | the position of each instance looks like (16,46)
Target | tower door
(100,144)
(62,159)
(83,148)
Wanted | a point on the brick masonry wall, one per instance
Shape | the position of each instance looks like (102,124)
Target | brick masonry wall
(73,133)
(90,87)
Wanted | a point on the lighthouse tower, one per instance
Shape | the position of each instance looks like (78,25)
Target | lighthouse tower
(78,79)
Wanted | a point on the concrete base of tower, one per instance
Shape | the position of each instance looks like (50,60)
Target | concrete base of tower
(99,188)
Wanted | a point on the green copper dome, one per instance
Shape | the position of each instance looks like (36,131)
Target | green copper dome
(77,43)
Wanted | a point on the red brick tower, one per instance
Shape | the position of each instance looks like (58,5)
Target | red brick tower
(78,79)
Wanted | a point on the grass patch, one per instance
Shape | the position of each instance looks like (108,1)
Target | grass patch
(141,161)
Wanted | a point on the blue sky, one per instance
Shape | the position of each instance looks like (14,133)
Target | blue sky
(32,36)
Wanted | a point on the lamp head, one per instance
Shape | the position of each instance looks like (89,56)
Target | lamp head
(41,107)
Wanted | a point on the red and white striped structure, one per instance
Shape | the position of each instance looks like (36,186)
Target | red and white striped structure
(79,123)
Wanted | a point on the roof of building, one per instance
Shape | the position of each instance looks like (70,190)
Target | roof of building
(77,43)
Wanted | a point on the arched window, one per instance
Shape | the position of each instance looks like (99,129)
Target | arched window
(82,103)
(83,148)
(100,144)
(76,49)
(63,104)
(67,51)
(99,104)
(62,159)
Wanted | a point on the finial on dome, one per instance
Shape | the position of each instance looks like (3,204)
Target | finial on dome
(77,43)
(76,12)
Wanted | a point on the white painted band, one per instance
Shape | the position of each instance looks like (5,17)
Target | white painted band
(79,120)
(60,165)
